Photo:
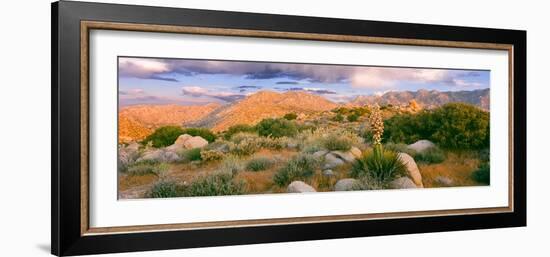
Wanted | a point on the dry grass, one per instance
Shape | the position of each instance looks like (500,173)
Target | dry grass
(126,182)
(457,166)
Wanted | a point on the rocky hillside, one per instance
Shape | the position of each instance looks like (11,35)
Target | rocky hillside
(153,116)
(130,130)
(266,104)
(427,99)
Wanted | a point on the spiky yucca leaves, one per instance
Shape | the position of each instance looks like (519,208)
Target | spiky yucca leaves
(379,165)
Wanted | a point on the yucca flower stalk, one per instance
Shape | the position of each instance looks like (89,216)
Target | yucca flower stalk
(377,126)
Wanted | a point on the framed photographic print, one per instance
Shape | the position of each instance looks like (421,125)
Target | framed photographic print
(178,128)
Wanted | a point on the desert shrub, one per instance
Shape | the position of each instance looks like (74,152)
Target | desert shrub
(211,155)
(165,189)
(238,128)
(334,142)
(482,174)
(242,136)
(188,155)
(259,163)
(276,128)
(201,132)
(164,136)
(338,117)
(301,166)
(245,147)
(290,116)
(147,167)
(400,148)
(453,125)
(231,165)
(353,117)
(430,155)
(379,165)
(214,185)
(341,110)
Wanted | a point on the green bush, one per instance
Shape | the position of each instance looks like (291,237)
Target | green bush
(201,132)
(259,163)
(290,116)
(238,128)
(482,174)
(338,118)
(214,185)
(453,126)
(164,136)
(335,142)
(165,189)
(276,128)
(301,166)
(353,117)
(430,155)
(380,165)
(188,155)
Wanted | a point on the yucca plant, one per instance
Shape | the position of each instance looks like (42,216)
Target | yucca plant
(380,165)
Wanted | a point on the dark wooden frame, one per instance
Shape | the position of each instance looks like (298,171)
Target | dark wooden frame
(70,24)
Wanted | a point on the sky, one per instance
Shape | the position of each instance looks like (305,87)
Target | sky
(199,82)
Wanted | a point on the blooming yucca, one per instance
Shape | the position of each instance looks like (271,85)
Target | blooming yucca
(376,125)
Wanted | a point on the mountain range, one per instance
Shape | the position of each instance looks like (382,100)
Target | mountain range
(136,122)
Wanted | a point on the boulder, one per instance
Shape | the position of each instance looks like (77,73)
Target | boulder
(319,154)
(421,145)
(186,141)
(412,168)
(328,173)
(332,161)
(402,183)
(160,155)
(346,184)
(444,181)
(356,152)
(345,156)
(300,187)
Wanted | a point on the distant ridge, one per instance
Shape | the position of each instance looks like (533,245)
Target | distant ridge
(427,98)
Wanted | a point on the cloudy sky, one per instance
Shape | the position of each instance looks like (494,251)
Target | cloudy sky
(197,82)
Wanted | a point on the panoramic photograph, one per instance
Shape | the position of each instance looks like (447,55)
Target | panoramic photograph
(193,127)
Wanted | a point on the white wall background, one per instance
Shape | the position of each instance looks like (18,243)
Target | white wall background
(25,127)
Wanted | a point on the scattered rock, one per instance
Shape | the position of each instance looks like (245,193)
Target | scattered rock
(355,151)
(328,173)
(345,156)
(161,155)
(300,187)
(320,154)
(402,183)
(128,154)
(332,161)
(218,146)
(346,184)
(444,181)
(412,169)
(421,145)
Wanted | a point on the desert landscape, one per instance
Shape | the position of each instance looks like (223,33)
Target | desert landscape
(284,137)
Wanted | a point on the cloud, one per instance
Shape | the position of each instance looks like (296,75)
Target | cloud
(287,83)
(203,92)
(140,96)
(319,91)
(377,78)
(248,87)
